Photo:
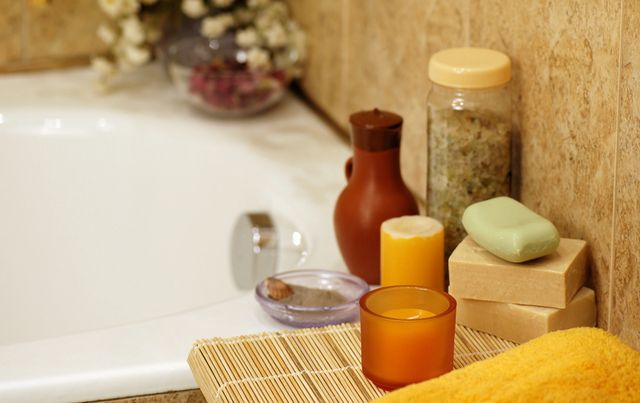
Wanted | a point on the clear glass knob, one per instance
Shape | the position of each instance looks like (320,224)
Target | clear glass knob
(262,246)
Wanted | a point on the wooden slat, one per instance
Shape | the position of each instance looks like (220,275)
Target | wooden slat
(315,365)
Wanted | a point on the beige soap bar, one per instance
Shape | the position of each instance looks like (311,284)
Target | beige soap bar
(520,323)
(549,281)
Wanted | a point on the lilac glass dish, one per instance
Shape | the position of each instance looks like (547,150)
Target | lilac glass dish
(350,286)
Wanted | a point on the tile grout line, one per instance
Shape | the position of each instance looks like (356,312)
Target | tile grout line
(612,257)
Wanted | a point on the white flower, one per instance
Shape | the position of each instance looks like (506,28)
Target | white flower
(278,10)
(258,59)
(263,21)
(132,30)
(222,3)
(103,67)
(247,38)
(274,14)
(276,36)
(213,27)
(299,41)
(106,34)
(194,8)
(257,3)
(115,8)
(136,55)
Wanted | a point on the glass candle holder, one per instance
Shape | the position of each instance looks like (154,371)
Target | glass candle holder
(407,335)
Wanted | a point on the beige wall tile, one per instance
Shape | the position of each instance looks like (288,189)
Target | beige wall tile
(389,45)
(565,92)
(625,312)
(323,21)
(63,29)
(10,31)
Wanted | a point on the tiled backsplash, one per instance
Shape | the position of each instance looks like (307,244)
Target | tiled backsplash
(47,33)
(576,96)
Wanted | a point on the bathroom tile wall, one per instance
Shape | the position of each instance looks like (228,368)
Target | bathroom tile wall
(10,35)
(38,34)
(576,107)
(625,310)
(566,54)
(326,26)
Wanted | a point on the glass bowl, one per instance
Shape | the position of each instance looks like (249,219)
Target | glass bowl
(348,285)
(213,76)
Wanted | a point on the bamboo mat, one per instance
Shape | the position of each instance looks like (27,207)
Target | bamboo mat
(305,365)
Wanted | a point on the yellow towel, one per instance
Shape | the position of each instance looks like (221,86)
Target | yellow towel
(576,365)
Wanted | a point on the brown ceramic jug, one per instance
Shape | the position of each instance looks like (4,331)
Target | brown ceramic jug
(375,191)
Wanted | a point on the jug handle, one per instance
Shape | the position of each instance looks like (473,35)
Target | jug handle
(348,168)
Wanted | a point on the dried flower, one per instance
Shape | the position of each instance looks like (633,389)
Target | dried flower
(247,38)
(278,10)
(214,27)
(132,30)
(106,70)
(103,67)
(135,55)
(194,8)
(265,31)
(263,21)
(258,59)
(116,8)
(276,36)
(257,3)
(299,42)
(106,34)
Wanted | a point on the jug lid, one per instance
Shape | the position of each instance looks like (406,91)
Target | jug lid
(376,130)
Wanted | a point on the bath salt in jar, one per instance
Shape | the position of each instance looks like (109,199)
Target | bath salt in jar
(469,134)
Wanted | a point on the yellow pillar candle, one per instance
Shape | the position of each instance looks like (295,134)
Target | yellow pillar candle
(412,252)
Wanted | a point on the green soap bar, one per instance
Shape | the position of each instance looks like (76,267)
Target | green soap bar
(509,230)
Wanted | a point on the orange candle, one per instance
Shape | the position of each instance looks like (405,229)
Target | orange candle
(412,252)
(407,335)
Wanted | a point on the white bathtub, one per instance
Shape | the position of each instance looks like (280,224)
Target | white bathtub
(115,222)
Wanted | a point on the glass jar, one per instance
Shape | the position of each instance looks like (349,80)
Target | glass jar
(469,134)
(212,74)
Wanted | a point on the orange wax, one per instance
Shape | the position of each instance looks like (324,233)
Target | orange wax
(412,252)
(408,313)
(407,335)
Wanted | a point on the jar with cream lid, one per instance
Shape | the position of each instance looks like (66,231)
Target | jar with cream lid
(469,134)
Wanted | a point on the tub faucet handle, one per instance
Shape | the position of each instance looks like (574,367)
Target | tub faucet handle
(254,249)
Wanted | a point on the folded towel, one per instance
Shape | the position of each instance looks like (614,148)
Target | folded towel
(576,365)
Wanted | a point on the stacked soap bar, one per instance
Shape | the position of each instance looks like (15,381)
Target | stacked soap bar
(521,301)
(549,281)
(521,323)
(514,277)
